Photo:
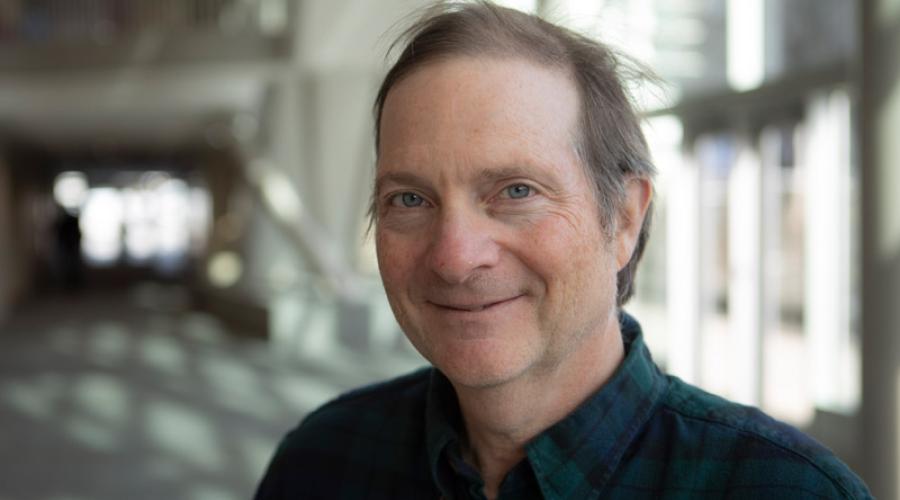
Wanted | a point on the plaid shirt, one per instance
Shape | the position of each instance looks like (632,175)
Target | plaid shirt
(642,435)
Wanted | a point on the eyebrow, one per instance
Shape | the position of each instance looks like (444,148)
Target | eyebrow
(398,178)
(485,175)
(506,172)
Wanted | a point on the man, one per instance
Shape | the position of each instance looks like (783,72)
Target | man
(510,210)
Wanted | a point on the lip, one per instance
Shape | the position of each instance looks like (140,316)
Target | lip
(473,308)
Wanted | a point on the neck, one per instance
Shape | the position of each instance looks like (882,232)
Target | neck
(501,420)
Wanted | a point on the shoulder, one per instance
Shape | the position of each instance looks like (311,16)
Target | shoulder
(751,451)
(366,412)
(359,440)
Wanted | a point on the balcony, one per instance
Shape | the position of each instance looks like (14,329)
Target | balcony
(38,35)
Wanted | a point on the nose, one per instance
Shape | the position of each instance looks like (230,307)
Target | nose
(463,244)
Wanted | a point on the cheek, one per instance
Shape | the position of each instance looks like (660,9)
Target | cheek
(566,241)
(574,262)
(397,259)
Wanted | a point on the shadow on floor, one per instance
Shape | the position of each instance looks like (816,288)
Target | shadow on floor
(135,395)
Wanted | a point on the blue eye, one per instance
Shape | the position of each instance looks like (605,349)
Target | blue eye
(517,191)
(407,199)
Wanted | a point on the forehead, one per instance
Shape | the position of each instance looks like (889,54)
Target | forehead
(481,107)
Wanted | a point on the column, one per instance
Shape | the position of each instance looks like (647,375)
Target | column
(880,176)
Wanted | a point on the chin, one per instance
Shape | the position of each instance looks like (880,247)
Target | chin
(482,370)
(476,354)
(481,381)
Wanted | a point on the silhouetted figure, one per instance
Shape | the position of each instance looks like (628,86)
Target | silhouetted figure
(68,250)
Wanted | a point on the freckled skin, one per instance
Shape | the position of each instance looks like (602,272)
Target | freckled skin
(459,133)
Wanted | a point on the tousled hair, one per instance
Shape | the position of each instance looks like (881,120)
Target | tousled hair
(609,142)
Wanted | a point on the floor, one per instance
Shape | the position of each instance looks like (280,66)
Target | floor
(133,394)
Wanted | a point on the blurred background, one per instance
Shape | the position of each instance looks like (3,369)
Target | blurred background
(185,270)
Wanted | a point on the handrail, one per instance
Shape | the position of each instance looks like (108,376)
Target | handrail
(283,203)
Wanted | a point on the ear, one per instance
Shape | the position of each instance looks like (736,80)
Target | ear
(638,193)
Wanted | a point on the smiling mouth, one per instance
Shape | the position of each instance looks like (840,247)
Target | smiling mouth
(474,307)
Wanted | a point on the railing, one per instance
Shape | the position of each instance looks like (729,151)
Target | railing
(54,21)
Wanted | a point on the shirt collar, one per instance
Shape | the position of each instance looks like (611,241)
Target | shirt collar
(443,430)
(575,457)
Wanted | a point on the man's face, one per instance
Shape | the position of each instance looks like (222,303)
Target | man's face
(489,239)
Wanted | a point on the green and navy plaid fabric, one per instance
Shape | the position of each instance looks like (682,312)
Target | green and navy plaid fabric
(643,435)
